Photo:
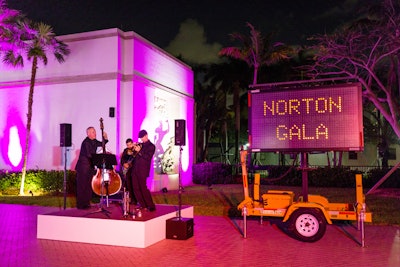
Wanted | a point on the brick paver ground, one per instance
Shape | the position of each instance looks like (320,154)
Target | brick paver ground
(217,241)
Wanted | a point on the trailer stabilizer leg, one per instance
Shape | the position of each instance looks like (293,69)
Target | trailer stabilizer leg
(244,213)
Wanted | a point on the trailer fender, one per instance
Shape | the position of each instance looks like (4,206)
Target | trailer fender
(246,202)
(307,205)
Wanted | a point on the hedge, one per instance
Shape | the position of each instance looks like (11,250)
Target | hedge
(209,173)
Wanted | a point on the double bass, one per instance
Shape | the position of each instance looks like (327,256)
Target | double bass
(112,180)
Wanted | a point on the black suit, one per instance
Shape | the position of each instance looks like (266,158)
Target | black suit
(140,172)
(128,156)
(85,172)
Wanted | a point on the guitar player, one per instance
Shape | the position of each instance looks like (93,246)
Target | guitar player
(127,158)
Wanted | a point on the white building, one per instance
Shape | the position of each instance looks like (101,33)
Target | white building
(110,74)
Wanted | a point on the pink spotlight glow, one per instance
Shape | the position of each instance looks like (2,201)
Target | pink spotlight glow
(14,147)
(12,131)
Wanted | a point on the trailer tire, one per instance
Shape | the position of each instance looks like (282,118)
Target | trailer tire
(307,225)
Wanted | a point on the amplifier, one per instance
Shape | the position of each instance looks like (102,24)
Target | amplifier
(179,228)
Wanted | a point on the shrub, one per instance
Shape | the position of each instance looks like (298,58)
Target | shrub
(211,173)
(37,181)
(9,183)
(375,175)
(218,173)
(281,175)
(332,177)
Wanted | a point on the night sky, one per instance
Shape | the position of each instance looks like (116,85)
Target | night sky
(207,22)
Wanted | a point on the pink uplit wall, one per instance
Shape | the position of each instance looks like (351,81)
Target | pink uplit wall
(161,68)
(59,103)
(148,88)
(166,89)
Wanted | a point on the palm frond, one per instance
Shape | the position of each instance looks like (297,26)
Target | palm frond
(15,60)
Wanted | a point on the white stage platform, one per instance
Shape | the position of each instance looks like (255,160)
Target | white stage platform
(91,226)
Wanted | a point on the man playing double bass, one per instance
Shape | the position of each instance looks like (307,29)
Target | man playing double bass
(85,169)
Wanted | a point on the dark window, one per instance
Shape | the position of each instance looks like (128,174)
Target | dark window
(392,153)
(352,155)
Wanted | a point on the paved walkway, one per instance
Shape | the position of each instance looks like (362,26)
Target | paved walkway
(217,241)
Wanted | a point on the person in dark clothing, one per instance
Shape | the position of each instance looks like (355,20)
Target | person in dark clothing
(85,169)
(126,162)
(141,170)
(384,154)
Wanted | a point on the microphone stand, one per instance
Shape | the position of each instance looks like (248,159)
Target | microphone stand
(104,183)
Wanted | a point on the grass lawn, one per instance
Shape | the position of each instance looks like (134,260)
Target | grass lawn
(222,200)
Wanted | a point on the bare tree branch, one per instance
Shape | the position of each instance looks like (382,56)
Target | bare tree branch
(367,50)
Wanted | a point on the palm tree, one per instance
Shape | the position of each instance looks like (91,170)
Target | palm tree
(256,50)
(210,109)
(231,77)
(33,41)
(10,30)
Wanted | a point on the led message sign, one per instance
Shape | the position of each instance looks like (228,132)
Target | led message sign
(306,119)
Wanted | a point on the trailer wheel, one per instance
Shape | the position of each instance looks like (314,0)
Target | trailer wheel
(307,225)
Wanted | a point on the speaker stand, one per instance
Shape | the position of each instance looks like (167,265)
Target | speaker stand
(65,177)
(178,227)
(180,183)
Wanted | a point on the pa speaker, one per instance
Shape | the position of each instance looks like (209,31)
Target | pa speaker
(111,112)
(180,126)
(65,134)
(179,228)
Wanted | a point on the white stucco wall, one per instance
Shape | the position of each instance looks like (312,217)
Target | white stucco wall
(99,74)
